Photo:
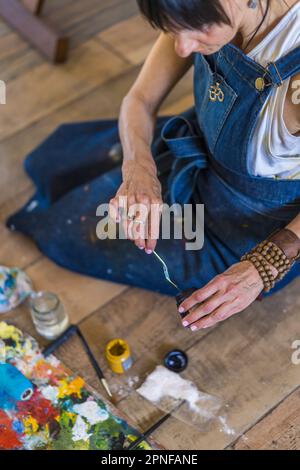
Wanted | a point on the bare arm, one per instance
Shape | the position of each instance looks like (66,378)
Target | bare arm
(292,107)
(294,225)
(160,73)
(141,186)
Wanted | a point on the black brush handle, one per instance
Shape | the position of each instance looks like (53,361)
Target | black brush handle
(148,433)
(91,355)
(94,363)
(67,334)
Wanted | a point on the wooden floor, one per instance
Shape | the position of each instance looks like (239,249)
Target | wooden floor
(246,361)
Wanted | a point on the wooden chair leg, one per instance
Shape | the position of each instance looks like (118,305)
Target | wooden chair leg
(48,41)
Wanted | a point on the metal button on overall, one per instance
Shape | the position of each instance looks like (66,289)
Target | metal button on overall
(260,84)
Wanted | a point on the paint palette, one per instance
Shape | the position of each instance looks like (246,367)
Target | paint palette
(61,412)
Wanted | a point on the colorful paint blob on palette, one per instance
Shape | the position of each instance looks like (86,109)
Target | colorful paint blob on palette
(62,412)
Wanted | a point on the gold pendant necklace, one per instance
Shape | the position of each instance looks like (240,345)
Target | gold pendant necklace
(216,93)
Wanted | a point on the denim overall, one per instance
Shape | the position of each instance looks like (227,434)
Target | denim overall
(201,157)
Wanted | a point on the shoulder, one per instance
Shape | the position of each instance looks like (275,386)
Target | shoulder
(296,97)
(295,88)
(293,104)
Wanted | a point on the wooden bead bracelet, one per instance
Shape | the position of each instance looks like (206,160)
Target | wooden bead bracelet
(267,253)
(263,267)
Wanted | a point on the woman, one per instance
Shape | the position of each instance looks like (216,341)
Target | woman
(241,149)
(205,28)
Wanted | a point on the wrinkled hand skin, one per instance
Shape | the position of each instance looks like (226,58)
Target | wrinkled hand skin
(227,294)
(140,186)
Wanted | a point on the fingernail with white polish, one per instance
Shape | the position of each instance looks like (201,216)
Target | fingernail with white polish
(194,328)
(185,323)
(148,252)
(181,310)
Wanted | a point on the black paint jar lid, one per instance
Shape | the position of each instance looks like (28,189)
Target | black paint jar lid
(176,360)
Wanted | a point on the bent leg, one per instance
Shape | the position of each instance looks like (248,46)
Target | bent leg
(66,233)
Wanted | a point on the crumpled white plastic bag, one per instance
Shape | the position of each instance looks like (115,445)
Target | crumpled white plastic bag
(181,398)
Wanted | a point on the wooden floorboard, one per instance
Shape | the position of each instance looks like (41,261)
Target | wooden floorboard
(81,295)
(15,249)
(134,46)
(279,430)
(245,361)
(82,20)
(77,19)
(89,66)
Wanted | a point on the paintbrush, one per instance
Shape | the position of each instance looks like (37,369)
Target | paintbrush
(148,433)
(94,363)
(166,271)
(68,333)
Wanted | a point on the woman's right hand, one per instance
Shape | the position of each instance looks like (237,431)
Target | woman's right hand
(139,196)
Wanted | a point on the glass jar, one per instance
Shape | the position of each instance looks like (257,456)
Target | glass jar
(48,314)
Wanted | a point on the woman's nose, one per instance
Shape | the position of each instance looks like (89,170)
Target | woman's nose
(185,47)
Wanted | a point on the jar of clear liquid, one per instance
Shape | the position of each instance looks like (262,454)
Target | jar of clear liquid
(48,314)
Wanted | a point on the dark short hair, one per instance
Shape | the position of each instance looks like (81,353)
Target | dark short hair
(173,15)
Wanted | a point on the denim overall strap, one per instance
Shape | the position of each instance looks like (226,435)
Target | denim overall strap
(281,191)
(187,146)
(285,67)
(186,143)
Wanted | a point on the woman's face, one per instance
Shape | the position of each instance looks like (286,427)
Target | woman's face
(211,38)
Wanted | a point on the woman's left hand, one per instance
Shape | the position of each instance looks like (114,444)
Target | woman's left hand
(225,295)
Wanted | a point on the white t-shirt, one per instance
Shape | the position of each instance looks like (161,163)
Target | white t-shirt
(274,151)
